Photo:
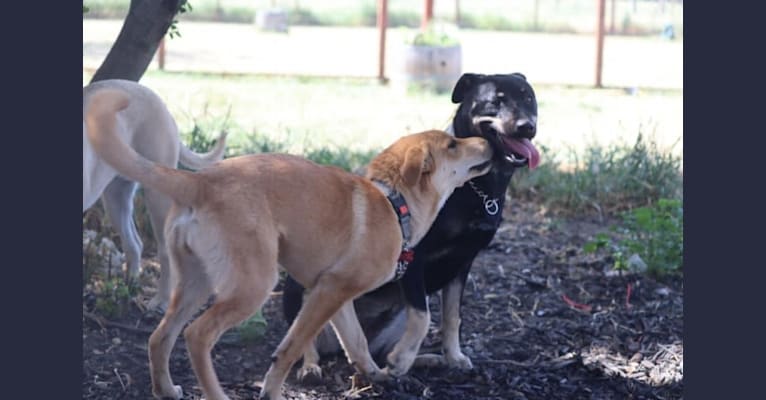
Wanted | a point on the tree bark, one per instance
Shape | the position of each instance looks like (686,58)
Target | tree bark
(145,25)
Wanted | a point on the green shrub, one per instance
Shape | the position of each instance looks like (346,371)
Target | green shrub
(492,22)
(604,179)
(197,140)
(654,233)
(302,16)
(252,328)
(255,143)
(344,158)
(113,296)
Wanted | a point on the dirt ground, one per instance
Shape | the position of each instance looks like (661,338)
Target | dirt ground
(541,320)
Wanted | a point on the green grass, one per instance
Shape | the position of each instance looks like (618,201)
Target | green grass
(601,149)
(603,179)
(303,114)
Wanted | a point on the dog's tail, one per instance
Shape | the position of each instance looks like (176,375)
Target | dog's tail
(198,161)
(101,123)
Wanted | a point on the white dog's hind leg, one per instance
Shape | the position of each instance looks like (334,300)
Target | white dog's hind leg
(158,205)
(118,202)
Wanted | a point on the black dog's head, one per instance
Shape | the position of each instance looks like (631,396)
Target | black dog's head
(503,110)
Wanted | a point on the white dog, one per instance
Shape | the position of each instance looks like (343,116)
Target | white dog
(147,126)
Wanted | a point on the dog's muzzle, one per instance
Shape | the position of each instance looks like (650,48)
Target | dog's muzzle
(519,150)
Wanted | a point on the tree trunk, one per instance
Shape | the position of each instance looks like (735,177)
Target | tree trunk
(145,25)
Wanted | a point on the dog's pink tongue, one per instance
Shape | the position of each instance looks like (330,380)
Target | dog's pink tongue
(525,148)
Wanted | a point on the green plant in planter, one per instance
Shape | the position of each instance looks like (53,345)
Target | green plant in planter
(432,60)
(433,38)
(433,35)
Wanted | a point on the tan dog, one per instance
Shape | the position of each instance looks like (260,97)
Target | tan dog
(149,129)
(233,224)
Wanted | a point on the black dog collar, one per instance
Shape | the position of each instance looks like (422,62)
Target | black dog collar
(403,213)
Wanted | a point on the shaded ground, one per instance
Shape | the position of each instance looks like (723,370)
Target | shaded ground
(541,320)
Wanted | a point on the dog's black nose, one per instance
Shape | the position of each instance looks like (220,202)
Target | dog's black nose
(526,128)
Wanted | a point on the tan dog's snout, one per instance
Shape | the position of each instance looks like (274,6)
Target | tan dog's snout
(479,146)
(477,153)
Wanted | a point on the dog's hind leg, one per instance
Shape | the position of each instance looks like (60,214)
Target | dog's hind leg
(247,286)
(292,300)
(323,301)
(118,203)
(189,295)
(354,342)
(158,205)
(401,358)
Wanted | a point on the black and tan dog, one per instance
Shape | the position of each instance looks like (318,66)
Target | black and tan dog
(395,317)
(232,224)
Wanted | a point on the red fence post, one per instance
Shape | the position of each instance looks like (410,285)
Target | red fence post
(382,25)
(599,41)
(428,14)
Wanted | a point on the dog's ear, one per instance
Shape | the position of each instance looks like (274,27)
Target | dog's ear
(519,75)
(463,85)
(417,162)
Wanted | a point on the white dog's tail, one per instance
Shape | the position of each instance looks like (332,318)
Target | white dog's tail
(101,122)
(197,161)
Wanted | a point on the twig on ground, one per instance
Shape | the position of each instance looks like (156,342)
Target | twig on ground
(120,379)
(512,362)
(577,306)
(531,282)
(103,323)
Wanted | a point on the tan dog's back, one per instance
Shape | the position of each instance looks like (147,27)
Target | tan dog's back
(318,213)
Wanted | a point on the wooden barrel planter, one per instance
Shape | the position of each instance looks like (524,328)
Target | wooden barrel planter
(271,20)
(432,67)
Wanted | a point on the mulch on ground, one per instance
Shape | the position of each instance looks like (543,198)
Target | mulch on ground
(540,320)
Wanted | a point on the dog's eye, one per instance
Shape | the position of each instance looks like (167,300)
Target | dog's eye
(529,99)
(452,144)
(500,95)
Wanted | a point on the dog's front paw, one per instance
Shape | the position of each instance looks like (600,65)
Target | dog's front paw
(309,373)
(378,375)
(458,360)
(399,364)
(174,394)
